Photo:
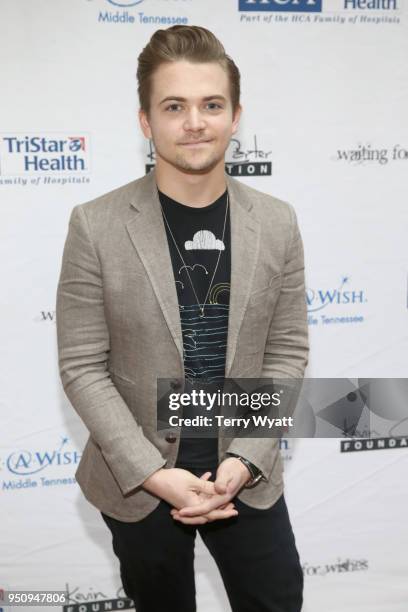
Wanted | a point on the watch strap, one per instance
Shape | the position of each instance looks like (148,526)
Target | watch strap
(256,473)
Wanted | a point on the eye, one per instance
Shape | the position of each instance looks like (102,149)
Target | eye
(214,105)
(172,107)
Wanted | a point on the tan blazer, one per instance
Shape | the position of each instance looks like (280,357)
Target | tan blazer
(118,330)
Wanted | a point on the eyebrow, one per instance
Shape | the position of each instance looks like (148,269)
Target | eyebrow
(206,98)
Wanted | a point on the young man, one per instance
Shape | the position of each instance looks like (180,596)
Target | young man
(191,275)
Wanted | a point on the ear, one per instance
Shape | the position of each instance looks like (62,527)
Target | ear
(236,118)
(144,124)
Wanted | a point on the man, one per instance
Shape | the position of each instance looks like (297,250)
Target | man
(190,275)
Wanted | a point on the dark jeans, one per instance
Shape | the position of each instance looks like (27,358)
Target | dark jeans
(255,553)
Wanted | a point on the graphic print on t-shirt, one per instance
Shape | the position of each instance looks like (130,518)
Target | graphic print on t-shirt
(198,234)
(204,240)
(205,339)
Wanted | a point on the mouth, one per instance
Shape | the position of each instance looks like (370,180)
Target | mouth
(198,143)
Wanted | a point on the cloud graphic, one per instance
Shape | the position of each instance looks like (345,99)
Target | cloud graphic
(204,240)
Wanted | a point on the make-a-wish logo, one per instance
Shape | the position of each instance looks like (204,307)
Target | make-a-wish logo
(29,154)
(325,298)
(248,159)
(25,462)
(317,299)
(296,6)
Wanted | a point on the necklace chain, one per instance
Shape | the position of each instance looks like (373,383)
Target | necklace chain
(201,307)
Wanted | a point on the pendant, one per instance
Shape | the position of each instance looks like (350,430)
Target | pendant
(201,312)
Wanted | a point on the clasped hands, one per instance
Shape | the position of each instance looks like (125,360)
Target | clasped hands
(197,501)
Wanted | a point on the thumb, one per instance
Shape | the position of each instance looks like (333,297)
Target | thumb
(221,483)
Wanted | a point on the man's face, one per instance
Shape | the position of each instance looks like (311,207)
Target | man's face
(191,120)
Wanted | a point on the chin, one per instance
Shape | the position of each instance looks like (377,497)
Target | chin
(198,166)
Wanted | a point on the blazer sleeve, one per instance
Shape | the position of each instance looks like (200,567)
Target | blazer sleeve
(83,348)
(287,346)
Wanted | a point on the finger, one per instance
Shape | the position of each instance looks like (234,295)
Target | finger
(223,510)
(229,512)
(228,506)
(187,520)
(216,515)
(206,476)
(206,506)
(206,487)
(224,506)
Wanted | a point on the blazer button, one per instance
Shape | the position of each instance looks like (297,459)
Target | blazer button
(171,438)
(175,383)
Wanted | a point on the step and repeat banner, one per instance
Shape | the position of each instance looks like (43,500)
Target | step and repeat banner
(324,127)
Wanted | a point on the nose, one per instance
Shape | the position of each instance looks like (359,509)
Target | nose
(194,121)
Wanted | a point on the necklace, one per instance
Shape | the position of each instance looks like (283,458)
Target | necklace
(200,306)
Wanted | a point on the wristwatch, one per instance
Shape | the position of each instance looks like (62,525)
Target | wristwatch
(256,473)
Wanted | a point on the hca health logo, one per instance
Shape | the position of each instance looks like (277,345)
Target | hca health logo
(27,154)
(298,6)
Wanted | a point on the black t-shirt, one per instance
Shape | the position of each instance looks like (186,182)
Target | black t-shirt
(198,233)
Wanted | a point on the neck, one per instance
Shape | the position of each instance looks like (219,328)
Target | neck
(192,189)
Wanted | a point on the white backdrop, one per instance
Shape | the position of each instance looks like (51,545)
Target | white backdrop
(324,127)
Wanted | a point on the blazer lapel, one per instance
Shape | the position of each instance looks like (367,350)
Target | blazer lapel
(148,235)
(245,241)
